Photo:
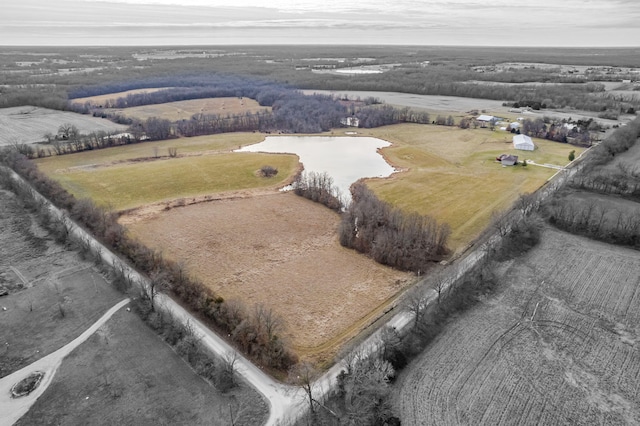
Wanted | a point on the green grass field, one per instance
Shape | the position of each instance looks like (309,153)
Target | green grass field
(451,174)
(219,143)
(128,185)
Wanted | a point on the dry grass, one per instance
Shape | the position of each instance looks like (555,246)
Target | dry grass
(184,110)
(452,174)
(101,99)
(283,251)
(555,345)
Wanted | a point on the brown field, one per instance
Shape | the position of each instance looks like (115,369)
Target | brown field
(556,344)
(184,110)
(101,99)
(124,373)
(29,124)
(280,250)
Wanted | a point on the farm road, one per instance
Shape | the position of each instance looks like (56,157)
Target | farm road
(283,400)
(14,408)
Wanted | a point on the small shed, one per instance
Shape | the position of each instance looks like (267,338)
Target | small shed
(523,142)
(508,160)
(486,118)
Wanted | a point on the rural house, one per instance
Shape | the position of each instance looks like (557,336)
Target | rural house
(350,121)
(507,159)
(523,142)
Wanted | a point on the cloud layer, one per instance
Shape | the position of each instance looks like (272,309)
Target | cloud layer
(443,22)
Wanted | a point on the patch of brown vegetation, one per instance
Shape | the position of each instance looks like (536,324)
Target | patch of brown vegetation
(282,251)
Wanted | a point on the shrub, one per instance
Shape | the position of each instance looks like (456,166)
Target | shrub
(268,171)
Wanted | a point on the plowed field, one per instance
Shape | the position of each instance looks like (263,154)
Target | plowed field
(557,344)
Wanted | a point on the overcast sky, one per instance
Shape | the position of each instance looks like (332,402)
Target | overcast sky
(428,22)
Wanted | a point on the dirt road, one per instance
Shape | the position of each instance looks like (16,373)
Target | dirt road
(14,408)
(287,402)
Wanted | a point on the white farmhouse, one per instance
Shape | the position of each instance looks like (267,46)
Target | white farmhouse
(523,142)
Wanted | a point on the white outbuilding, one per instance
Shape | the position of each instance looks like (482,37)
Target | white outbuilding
(523,142)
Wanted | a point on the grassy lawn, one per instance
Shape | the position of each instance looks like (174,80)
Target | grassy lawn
(451,174)
(222,142)
(128,185)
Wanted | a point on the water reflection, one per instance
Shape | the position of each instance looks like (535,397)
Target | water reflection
(345,159)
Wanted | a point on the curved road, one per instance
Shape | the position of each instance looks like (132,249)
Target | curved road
(11,409)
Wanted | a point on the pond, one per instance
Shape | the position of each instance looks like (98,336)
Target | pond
(345,159)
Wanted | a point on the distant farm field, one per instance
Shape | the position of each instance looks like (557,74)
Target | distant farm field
(184,110)
(282,251)
(451,174)
(29,124)
(99,100)
(557,344)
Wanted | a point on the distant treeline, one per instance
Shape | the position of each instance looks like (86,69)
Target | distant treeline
(452,81)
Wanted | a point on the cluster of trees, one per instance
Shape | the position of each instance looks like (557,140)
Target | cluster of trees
(182,87)
(255,333)
(183,339)
(556,131)
(625,181)
(318,187)
(618,142)
(406,241)
(599,219)
(362,395)
(377,116)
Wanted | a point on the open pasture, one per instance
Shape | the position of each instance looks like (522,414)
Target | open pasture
(184,110)
(133,184)
(100,100)
(28,124)
(556,344)
(451,174)
(280,250)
